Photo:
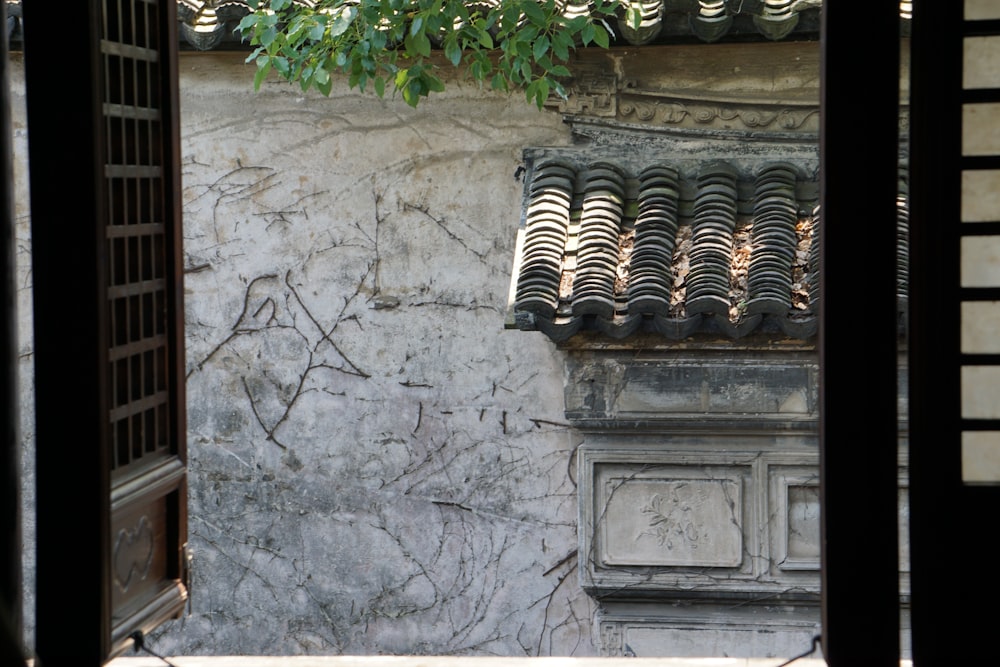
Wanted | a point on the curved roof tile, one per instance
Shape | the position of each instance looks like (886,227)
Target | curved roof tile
(209,24)
(715,249)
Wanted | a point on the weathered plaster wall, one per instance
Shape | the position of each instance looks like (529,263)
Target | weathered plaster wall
(376,466)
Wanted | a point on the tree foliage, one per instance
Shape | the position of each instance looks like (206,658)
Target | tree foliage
(387,44)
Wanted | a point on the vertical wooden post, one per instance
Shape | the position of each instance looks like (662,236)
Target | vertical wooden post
(68,259)
(858,394)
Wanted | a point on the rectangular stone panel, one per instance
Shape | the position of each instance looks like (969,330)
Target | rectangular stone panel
(729,388)
(690,512)
(802,537)
(981,195)
(679,522)
(980,324)
(793,518)
(981,10)
(980,261)
(981,457)
(981,392)
(981,60)
(980,131)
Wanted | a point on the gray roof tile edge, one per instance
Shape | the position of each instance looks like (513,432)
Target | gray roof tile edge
(547,304)
(210,24)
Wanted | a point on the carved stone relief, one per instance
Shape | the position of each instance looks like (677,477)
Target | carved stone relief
(692,114)
(672,522)
(677,513)
(794,519)
(772,89)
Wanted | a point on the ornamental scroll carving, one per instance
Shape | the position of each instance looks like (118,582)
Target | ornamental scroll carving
(133,554)
(709,116)
(770,87)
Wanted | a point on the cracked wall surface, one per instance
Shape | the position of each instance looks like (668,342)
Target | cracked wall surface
(375,465)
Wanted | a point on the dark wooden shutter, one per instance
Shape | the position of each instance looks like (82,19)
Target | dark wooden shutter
(858,394)
(954,343)
(103,155)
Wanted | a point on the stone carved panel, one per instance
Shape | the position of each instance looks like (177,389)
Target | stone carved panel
(794,518)
(645,630)
(802,538)
(683,113)
(605,389)
(672,522)
(719,514)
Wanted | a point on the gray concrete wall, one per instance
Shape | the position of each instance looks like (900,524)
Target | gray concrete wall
(376,466)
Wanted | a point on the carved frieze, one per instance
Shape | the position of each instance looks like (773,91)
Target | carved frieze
(676,112)
(754,87)
(592,95)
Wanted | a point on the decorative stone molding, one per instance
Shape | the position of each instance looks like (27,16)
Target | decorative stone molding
(770,88)
(644,630)
(689,518)
(690,113)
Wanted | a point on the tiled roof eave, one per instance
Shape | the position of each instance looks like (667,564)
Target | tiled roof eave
(625,246)
(211,24)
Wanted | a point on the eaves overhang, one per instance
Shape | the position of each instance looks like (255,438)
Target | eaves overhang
(212,24)
(679,238)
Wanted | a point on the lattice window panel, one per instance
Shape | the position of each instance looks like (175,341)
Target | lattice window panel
(136,235)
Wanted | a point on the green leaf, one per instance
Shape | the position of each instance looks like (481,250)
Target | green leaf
(526,69)
(316,32)
(561,41)
(417,45)
(432,83)
(281,64)
(380,86)
(324,87)
(412,92)
(249,21)
(531,90)
(416,25)
(401,77)
(343,21)
(560,70)
(452,51)
(262,71)
(601,37)
(253,56)
(268,36)
(534,12)
(633,17)
(587,33)
(541,47)
(543,92)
